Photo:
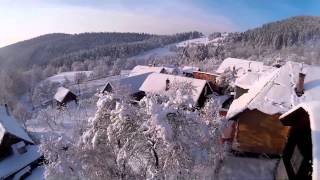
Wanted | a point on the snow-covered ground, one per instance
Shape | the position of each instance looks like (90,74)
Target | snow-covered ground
(62,77)
(234,168)
(57,121)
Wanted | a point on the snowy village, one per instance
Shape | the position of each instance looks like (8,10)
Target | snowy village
(259,120)
(159,90)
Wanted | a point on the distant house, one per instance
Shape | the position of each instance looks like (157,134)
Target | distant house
(128,85)
(137,70)
(257,112)
(188,70)
(18,154)
(64,96)
(158,83)
(302,149)
(241,66)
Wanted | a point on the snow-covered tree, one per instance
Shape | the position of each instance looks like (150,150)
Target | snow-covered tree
(160,137)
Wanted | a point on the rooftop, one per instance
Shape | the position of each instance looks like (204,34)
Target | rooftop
(16,162)
(145,69)
(274,93)
(61,93)
(241,66)
(10,125)
(156,83)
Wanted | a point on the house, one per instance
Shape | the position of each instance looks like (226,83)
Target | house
(159,83)
(18,154)
(64,96)
(146,69)
(188,70)
(11,132)
(301,153)
(128,85)
(257,112)
(241,66)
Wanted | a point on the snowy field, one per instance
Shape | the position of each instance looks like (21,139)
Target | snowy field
(62,77)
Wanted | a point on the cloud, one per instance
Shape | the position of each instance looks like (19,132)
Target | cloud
(22,22)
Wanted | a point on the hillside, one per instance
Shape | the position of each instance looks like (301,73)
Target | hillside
(297,30)
(61,47)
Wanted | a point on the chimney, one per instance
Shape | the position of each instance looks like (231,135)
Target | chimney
(7,109)
(300,85)
(167,84)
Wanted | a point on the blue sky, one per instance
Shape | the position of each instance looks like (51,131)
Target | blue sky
(24,19)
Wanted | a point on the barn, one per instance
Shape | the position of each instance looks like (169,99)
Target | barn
(64,96)
(257,112)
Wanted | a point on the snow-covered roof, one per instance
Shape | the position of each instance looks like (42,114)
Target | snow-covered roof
(190,69)
(241,66)
(10,125)
(156,83)
(145,69)
(313,109)
(130,84)
(247,80)
(61,94)
(274,93)
(16,162)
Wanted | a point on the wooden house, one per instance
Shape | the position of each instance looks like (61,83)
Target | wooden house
(128,86)
(257,112)
(11,132)
(298,157)
(64,96)
(159,83)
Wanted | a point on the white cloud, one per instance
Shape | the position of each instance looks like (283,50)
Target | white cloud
(19,22)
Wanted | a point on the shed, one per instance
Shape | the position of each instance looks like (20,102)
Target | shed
(257,112)
(139,69)
(302,152)
(11,132)
(157,83)
(64,95)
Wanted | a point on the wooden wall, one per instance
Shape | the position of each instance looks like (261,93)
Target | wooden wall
(258,132)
